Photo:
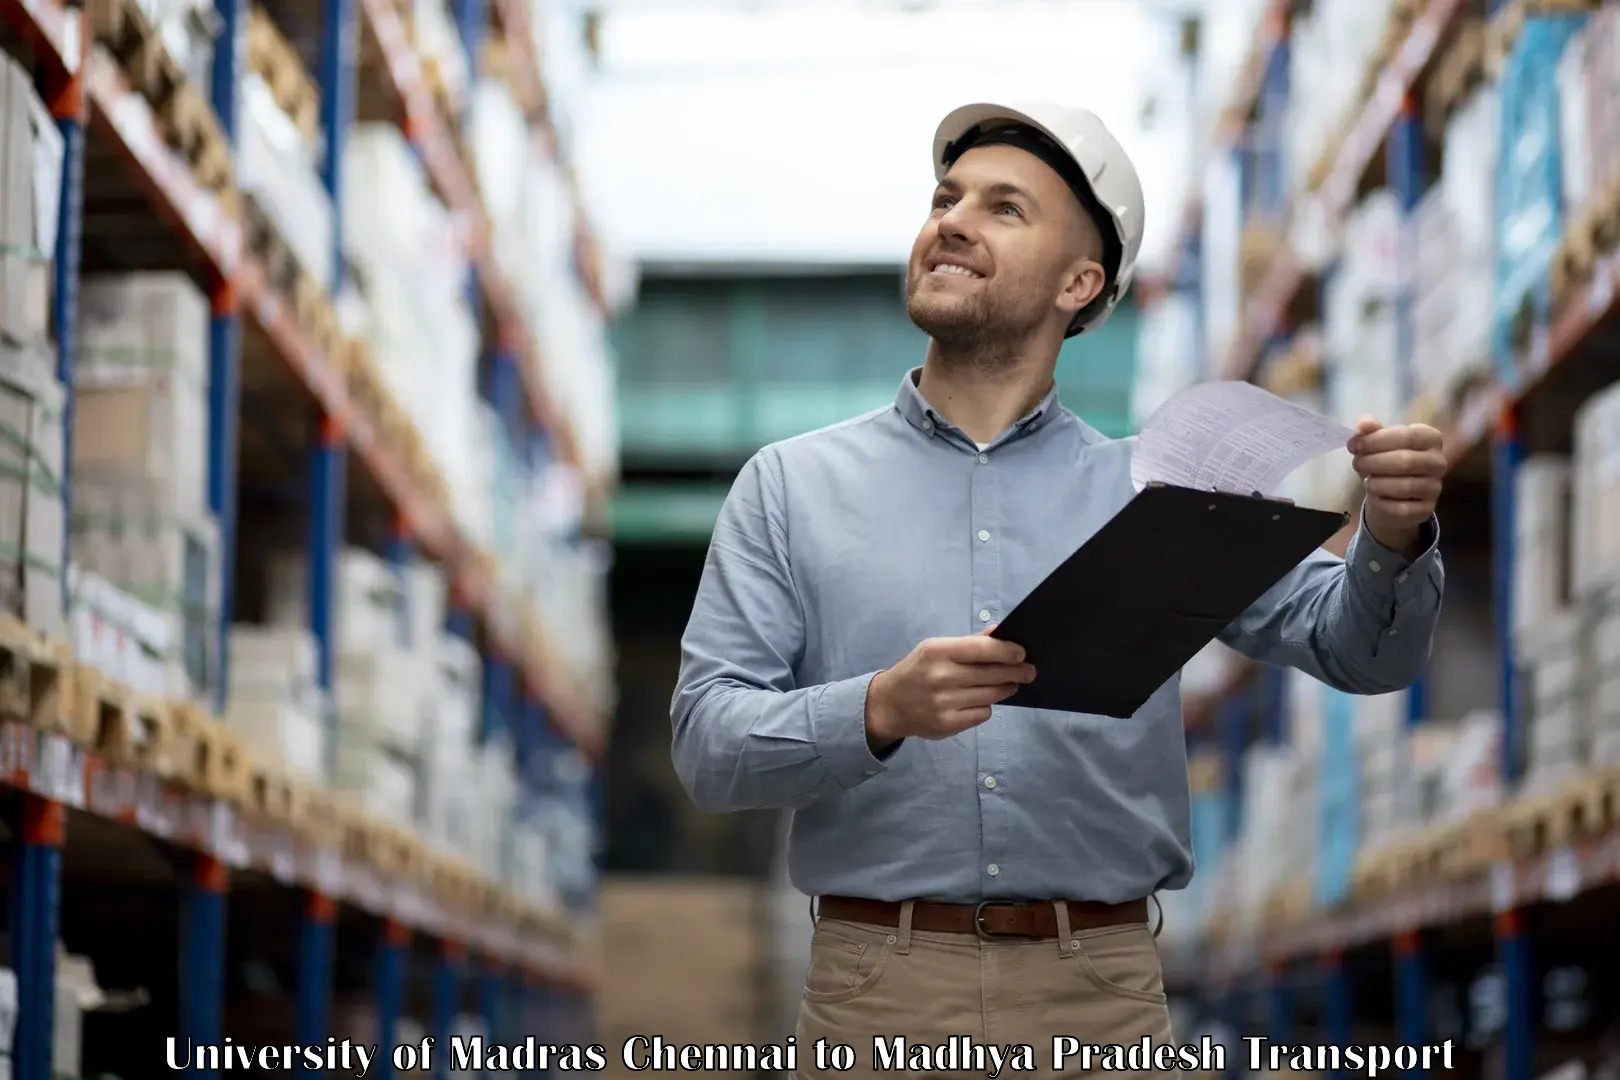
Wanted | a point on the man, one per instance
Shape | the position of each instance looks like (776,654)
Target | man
(983,870)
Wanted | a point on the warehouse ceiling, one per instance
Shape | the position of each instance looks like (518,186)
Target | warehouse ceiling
(719,130)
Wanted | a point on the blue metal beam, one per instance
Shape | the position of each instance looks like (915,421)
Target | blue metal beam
(1280,1018)
(202,956)
(316,937)
(1507,454)
(224,415)
(1338,1005)
(340,39)
(67,106)
(1235,1007)
(392,950)
(446,1005)
(326,485)
(36,873)
(1411,994)
(489,999)
(1518,1036)
(1232,719)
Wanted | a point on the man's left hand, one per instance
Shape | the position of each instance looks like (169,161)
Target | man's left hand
(1400,469)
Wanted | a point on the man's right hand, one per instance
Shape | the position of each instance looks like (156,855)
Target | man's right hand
(943,686)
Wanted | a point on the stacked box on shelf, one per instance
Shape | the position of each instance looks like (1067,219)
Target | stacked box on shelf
(276,169)
(31,469)
(188,29)
(275,701)
(140,515)
(1360,328)
(1385,768)
(1453,285)
(1548,643)
(119,635)
(379,692)
(451,810)
(1529,204)
(410,256)
(30,170)
(1276,845)
(1588,79)
(1541,586)
(31,434)
(125,529)
(1330,47)
(1595,562)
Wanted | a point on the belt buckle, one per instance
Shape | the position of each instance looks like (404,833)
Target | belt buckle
(978,920)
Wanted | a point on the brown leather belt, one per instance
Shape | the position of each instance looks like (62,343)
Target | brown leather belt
(1035,921)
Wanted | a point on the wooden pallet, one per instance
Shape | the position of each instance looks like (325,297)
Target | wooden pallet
(270,791)
(1591,233)
(121,26)
(183,112)
(1290,904)
(400,854)
(317,816)
(310,303)
(371,396)
(212,760)
(35,681)
(128,730)
(1582,808)
(191,127)
(274,59)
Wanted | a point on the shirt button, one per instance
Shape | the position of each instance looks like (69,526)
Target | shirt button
(992,869)
(984,459)
(989,781)
(1393,631)
(1374,567)
(984,614)
(1400,579)
(984,534)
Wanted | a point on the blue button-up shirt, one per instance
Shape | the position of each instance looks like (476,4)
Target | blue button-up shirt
(838,551)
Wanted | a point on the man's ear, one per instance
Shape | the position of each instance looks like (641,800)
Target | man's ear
(1083,284)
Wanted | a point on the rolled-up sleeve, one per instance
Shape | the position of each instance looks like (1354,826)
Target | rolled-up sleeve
(745,735)
(1363,624)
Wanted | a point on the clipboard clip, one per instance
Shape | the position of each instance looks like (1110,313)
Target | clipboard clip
(1217,491)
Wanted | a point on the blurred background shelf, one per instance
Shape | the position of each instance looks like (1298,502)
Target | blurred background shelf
(1427,237)
(305,405)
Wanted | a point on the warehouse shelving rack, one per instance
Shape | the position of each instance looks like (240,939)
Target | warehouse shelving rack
(1347,958)
(522,964)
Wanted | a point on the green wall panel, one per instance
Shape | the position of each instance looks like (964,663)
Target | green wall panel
(714,368)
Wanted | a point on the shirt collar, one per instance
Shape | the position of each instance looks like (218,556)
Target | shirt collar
(925,418)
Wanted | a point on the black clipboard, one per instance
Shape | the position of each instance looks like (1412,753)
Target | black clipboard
(1150,589)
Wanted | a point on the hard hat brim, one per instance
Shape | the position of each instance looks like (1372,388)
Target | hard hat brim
(962,120)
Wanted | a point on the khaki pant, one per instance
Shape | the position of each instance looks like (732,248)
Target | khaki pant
(951,998)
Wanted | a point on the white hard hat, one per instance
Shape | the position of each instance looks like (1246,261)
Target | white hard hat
(1105,174)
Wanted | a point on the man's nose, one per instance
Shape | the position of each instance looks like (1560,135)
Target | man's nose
(957,224)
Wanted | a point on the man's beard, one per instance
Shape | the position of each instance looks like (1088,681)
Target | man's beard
(978,329)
